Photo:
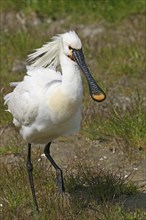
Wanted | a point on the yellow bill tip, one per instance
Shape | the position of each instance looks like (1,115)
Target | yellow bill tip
(98,97)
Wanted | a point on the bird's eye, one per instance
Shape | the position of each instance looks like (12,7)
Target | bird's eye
(70,48)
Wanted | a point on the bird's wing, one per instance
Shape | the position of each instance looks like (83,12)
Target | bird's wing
(22,104)
(24,101)
(41,76)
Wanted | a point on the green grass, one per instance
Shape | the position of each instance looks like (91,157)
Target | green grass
(14,47)
(110,10)
(126,125)
(116,56)
(122,60)
(12,145)
(92,192)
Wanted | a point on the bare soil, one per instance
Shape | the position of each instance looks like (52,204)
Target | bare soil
(66,150)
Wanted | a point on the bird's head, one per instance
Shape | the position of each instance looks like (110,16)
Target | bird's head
(72,48)
(70,44)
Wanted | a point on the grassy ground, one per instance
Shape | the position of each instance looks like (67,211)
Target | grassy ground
(100,187)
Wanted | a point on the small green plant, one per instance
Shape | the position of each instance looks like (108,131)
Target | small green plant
(111,10)
(127,125)
(91,191)
(99,184)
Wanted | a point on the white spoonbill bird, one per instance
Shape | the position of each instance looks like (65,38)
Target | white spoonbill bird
(48,103)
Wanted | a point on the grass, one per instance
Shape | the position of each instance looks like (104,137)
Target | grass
(130,56)
(116,56)
(91,192)
(126,123)
(22,42)
(11,145)
(110,10)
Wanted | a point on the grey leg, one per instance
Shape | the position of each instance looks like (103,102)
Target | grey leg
(30,175)
(59,174)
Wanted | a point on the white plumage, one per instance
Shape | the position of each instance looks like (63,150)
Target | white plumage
(48,103)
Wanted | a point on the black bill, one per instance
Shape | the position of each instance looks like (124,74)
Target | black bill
(95,91)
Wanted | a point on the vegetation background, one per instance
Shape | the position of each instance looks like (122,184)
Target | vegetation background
(104,165)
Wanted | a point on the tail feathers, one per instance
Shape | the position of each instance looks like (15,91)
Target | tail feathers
(14,84)
(7,98)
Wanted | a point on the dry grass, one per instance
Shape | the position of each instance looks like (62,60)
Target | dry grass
(114,45)
(90,191)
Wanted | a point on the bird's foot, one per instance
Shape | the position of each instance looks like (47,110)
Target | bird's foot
(60,182)
(64,199)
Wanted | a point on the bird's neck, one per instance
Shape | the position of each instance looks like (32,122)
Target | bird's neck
(71,78)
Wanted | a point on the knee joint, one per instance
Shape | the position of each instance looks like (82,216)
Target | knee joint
(29,166)
(59,172)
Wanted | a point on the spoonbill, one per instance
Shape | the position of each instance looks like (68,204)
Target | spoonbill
(48,103)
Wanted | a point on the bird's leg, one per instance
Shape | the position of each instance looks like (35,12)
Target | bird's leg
(59,174)
(30,174)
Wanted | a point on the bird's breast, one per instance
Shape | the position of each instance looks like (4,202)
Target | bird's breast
(63,105)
